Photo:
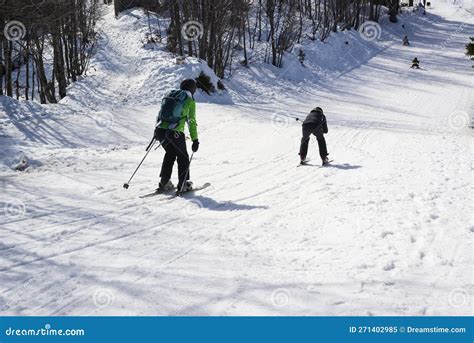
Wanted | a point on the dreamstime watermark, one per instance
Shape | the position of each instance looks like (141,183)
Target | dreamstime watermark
(370,30)
(46,331)
(192,30)
(280,297)
(458,120)
(280,120)
(14,30)
(104,119)
(459,297)
(103,297)
(453,35)
(15,208)
(19,292)
(193,207)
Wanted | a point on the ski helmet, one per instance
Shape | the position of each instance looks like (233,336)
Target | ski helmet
(188,85)
(318,110)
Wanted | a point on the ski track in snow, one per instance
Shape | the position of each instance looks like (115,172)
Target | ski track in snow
(385,230)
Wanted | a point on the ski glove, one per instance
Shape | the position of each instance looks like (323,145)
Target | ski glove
(155,134)
(195,146)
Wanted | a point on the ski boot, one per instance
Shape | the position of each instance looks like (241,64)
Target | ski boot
(163,187)
(187,187)
(326,161)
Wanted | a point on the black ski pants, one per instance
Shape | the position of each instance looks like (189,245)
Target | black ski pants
(316,130)
(174,144)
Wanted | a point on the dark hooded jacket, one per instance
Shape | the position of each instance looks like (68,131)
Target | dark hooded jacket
(316,118)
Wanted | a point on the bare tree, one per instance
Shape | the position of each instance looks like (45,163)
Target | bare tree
(30,29)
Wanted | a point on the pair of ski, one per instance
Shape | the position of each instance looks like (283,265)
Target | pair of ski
(306,163)
(174,193)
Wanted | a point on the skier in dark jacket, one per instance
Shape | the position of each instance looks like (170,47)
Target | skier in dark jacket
(405,41)
(415,63)
(315,123)
(173,140)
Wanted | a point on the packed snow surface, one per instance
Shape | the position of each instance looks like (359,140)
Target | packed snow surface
(386,229)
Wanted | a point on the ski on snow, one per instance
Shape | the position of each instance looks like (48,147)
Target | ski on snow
(306,163)
(174,193)
(158,192)
(194,189)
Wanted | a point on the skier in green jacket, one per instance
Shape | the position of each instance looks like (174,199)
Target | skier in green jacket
(170,132)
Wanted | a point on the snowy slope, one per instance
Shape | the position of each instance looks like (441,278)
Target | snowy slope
(386,230)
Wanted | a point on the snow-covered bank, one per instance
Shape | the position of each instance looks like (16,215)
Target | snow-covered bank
(386,230)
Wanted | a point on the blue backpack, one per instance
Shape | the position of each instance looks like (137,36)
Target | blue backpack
(172,106)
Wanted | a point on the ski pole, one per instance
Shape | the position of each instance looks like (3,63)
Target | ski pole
(148,149)
(151,143)
(187,173)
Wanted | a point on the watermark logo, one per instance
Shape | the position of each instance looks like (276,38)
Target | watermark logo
(192,30)
(280,121)
(458,120)
(103,297)
(15,208)
(193,207)
(104,119)
(458,297)
(280,297)
(370,30)
(14,30)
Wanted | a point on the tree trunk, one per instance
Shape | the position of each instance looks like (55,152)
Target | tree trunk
(59,64)
(393,10)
